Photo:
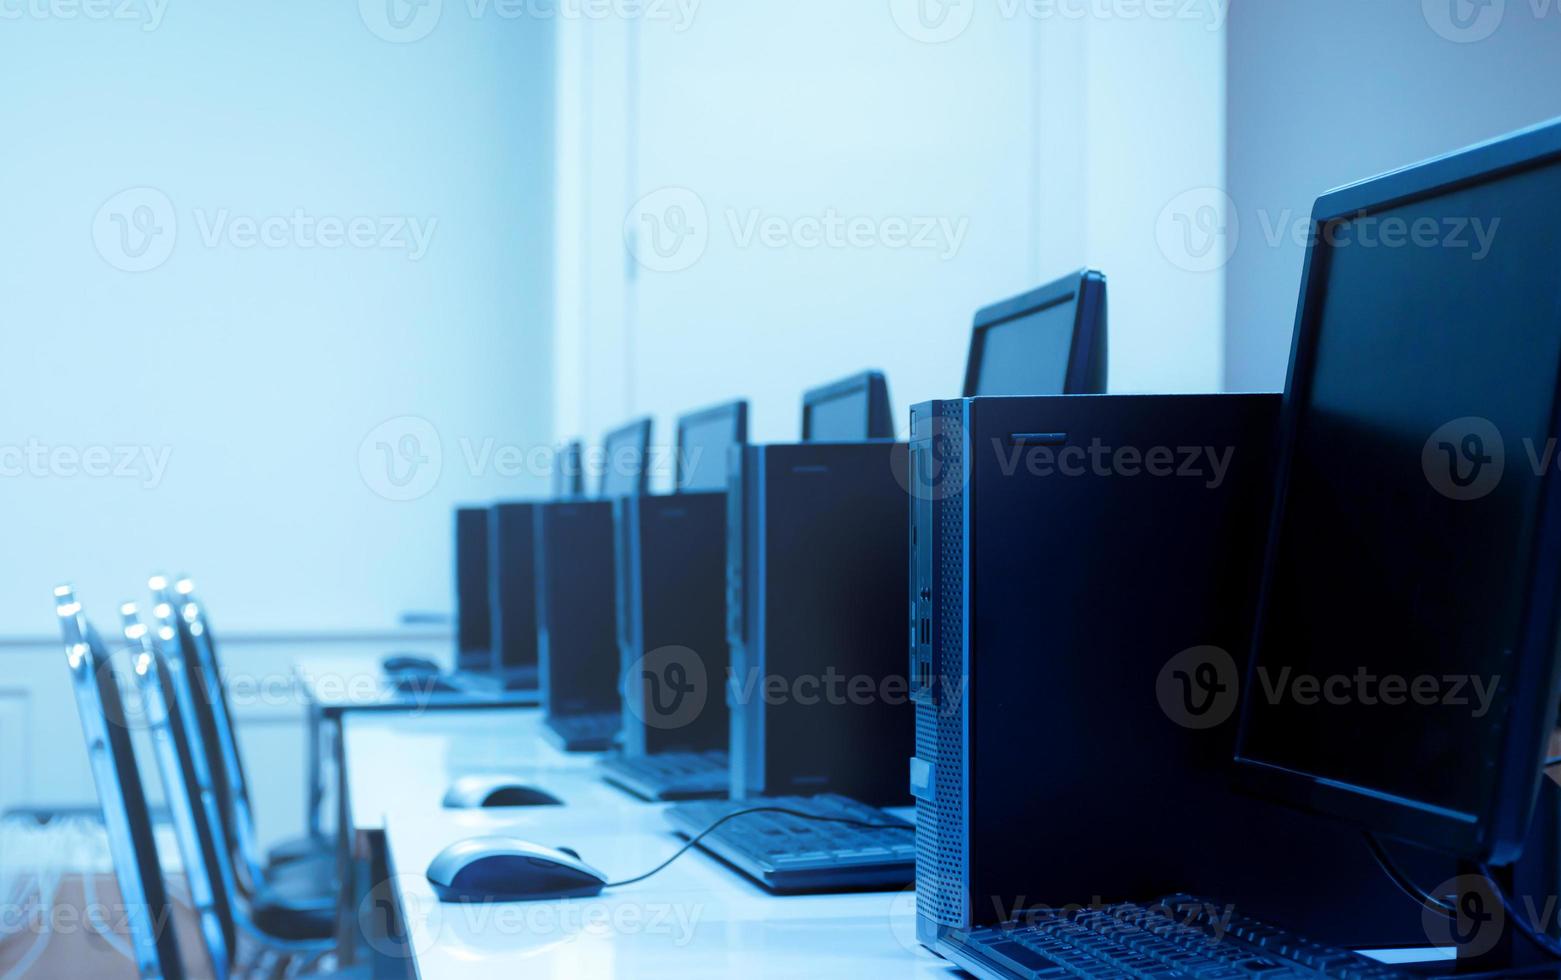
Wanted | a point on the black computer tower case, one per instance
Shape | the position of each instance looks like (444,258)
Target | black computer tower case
(576,608)
(1055,578)
(473,637)
(512,580)
(673,654)
(816,617)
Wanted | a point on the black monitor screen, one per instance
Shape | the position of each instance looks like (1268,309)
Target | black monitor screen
(623,461)
(1029,354)
(1399,564)
(840,419)
(702,446)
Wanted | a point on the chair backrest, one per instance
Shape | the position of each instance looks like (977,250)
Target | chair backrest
(126,815)
(214,720)
(187,786)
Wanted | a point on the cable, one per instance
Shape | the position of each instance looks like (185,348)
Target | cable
(1405,884)
(859,824)
(1540,940)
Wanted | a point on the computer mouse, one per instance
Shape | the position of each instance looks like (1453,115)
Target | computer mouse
(469,792)
(507,869)
(407,663)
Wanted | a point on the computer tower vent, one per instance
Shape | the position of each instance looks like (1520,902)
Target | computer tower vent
(941,823)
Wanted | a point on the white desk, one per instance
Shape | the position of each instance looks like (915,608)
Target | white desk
(696,918)
(335,688)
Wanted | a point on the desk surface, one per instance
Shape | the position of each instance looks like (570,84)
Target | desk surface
(336,686)
(403,763)
(696,918)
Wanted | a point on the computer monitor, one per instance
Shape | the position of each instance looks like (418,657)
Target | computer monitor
(1403,674)
(569,471)
(624,460)
(852,410)
(703,440)
(1049,341)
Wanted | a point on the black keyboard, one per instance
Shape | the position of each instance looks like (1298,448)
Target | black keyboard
(788,854)
(671,775)
(593,732)
(1176,937)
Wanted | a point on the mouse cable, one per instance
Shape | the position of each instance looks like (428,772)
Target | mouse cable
(1406,884)
(859,824)
(1546,944)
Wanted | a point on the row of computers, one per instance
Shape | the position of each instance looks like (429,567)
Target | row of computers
(1177,685)
(743,637)
(1297,653)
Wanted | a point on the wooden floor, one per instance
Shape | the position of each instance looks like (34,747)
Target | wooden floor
(63,944)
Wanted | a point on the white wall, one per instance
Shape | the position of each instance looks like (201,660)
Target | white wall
(1030,143)
(262,371)
(1328,92)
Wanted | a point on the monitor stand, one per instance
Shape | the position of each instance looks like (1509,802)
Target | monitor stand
(1486,941)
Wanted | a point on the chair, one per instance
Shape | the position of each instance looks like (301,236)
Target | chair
(295,900)
(126,815)
(308,862)
(281,927)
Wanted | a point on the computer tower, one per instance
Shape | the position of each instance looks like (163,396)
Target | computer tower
(576,608)
(512,594)
(672,621)
(817,622)
(1072,556)
(474,646)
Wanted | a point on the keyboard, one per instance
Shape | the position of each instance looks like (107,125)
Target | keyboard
(592,732)
(671,775)
(786,854)
(1176,937)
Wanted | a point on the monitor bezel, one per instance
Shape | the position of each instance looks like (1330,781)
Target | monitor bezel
(1085,373)
(569,471)
(1496,832)
(880,414)
(736,411)
(639,431)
